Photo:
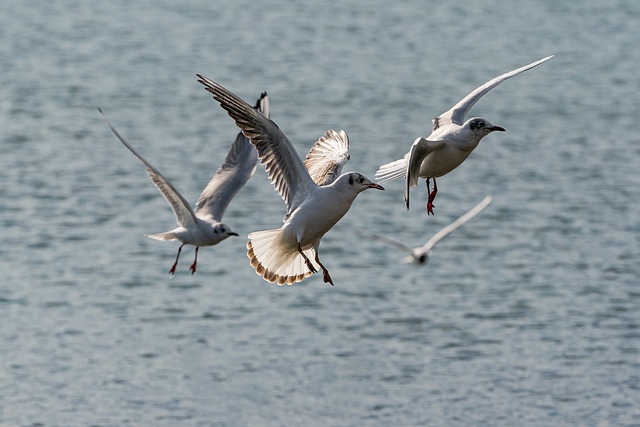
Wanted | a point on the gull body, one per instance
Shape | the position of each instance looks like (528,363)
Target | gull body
(314,204)
(420,255)
(451,141)
(203,226)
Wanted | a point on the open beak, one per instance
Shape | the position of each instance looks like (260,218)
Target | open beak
(376,186)
(495,128)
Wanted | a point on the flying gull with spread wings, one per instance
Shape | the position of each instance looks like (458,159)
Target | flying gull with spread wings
(451,141)
(203,226)
(420,254)
(289,254)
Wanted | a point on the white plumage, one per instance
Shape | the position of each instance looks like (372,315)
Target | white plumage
(204,227)
(289,254)
(451,141)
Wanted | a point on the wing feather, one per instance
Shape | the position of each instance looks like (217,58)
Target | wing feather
(459,111)
(327,157)
(454,225)
(181,209)
(285,168)
(233,174)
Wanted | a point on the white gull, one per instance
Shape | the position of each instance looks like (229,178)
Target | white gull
(451,141)
(203,227)
(289,254)
(420,254)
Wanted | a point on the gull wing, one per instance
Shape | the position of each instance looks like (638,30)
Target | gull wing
(185,216)
(389,241)
(327,157)
(454,225)
(233,174)
(458,112)
(420,149)
(285,168)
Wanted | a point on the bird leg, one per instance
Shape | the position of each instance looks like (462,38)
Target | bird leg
(175,264)
(195,261)
(325,273)
(431,195)
(306,260)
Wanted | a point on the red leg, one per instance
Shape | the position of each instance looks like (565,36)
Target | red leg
(175,264)
(306,260)
(195,261)
(431,195)
(325,273)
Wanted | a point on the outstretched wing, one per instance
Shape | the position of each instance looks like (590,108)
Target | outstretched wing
(233,174)
(459,111)
(185,216)
(388,240)
(284,167)
(327,157)
(454,225)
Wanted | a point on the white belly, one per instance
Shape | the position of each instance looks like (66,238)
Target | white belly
(442,162)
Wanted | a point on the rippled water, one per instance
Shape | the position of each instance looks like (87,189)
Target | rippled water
(528,315)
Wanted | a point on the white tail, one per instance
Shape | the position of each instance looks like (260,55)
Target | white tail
(391,171)
(275,264)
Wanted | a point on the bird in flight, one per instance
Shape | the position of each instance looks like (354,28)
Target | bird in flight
(290,253)
(451,141)
(420,255)
(203,226)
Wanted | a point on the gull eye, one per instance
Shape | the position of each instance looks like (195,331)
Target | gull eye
(481,124)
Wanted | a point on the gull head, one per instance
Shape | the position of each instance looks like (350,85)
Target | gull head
(417,257)
(481,127)
(222,231)
(359,182)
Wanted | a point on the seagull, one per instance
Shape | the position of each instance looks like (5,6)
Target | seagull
(451,141)
(420,255)
(290,254)
(203,226)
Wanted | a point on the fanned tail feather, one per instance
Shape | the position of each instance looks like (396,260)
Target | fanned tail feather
(274,264)
(391,171)
(169,235)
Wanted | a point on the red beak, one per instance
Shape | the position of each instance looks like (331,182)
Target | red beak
(376,186)
(495,128)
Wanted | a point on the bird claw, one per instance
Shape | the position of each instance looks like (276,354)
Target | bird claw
(310,266)
(193,268)
(430,207)
(327,278)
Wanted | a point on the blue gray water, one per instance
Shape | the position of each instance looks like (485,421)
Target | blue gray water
(528,315)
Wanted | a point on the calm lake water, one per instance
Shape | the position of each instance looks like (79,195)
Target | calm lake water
(528,315)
